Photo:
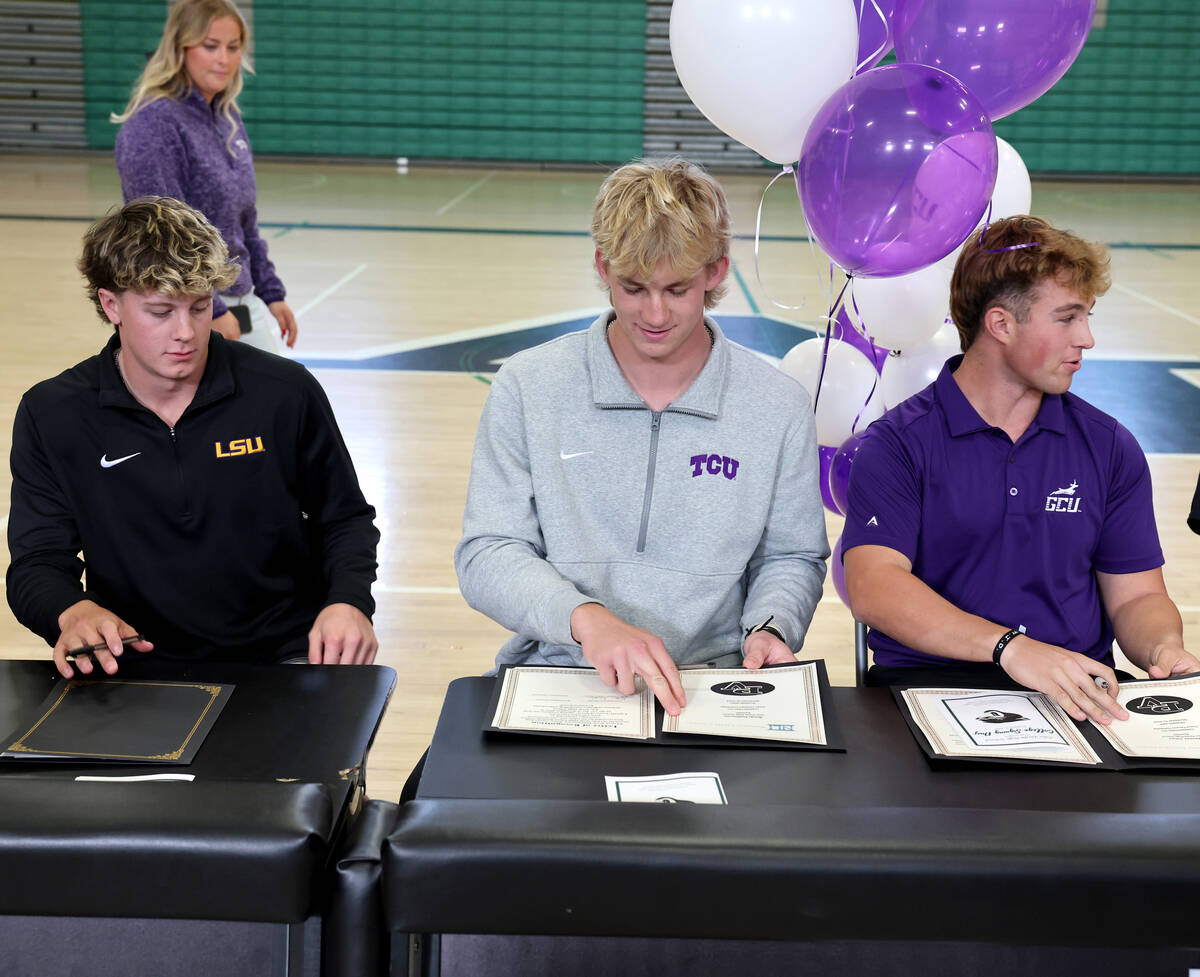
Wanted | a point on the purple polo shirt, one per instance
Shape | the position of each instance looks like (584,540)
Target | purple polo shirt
(1012,533)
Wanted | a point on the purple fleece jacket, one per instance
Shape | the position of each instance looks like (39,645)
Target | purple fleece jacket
(176,148)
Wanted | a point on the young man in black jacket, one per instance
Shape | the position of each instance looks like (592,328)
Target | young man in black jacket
(204,483)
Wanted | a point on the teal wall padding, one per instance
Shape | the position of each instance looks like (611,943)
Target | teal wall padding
(536,80)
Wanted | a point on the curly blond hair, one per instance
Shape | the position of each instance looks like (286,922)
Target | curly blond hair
(155,244)
(654,210)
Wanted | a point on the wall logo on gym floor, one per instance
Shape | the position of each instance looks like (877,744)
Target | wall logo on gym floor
(1158,705)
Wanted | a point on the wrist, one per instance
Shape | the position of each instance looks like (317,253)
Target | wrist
(765,626)
(1002,645)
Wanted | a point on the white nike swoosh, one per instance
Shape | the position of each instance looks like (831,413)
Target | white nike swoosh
(575,454)
(105,463)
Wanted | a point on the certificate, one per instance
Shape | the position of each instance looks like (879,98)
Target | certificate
(672,788)
(551,699)
(1019,725)
(1164,719)
(782,703)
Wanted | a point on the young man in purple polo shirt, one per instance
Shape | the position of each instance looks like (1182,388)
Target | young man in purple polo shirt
(995,517)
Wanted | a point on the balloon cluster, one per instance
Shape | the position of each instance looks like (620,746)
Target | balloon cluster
(896,165)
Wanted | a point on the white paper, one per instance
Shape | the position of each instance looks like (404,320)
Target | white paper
(772,704)
(570,700)
(1164,719)
(1022,725)
(674,788)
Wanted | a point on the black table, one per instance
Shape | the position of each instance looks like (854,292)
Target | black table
(248,842)
(870,844)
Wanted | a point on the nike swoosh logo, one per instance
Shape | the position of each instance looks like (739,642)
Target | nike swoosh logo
(575,454)
(105,463)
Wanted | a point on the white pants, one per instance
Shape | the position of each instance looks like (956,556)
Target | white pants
(264,327)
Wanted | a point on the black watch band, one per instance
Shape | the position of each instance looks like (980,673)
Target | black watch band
(769,628)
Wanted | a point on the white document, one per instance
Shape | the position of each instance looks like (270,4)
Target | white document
(772,704)
(1022,725)
(1164,719)
(673,788)
(570,700)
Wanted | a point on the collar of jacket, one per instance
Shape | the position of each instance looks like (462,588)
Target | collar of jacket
(611,390)
(216,383)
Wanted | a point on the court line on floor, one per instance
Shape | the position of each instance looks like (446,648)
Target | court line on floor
(330,290)
(1157,304)
(463,196)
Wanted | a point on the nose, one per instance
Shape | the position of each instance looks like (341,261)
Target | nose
(1085,339)
(654,309)
(183,329)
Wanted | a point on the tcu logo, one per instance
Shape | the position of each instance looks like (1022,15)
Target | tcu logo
(714,465)
(240,446)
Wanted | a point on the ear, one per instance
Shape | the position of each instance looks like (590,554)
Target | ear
(1000,324)
(110,303)
(716,273)
(602,268)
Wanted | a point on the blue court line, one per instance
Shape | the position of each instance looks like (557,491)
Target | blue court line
(745,290)
(286,226)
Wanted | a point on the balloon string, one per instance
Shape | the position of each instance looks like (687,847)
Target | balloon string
(880,51)
(812,246)
(876,356)
(757,235)
(825,348)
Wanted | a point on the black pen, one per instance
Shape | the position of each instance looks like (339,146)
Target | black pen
(100,646)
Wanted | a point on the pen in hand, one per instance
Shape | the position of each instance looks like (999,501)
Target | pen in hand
(101,645)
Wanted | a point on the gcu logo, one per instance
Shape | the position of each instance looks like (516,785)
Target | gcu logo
(1063,499)
(240,446)
(714,465)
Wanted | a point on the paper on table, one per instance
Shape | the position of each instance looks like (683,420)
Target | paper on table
(673,788)
(1017,725)
(782,703)
(1164,719)
(572,701)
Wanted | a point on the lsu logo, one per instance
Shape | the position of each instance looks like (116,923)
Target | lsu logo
(239,447)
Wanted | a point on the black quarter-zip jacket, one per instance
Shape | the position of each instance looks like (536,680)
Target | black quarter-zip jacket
(222,537)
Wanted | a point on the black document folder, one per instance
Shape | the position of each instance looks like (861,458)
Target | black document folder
(115,720)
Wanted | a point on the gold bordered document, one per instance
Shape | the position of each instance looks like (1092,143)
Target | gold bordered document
(1164,719)
(784,706)
(981,724)
(114,720)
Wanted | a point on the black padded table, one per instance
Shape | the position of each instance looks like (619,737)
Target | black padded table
(870,844)
(248,842)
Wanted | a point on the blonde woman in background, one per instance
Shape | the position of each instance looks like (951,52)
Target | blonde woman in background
(182,136)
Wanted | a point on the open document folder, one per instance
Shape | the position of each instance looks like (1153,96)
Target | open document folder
(115,720)
(784,706)
(1022,726)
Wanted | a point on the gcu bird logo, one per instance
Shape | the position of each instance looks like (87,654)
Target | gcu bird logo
(999,716)
(240,446)
(1063,499)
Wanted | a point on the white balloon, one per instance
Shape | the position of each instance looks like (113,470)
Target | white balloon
(760,69)
(1014,192)
(912,370)
(849,399)
(904,310)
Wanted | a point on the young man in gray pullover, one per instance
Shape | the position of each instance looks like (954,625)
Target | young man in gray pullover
(644,493)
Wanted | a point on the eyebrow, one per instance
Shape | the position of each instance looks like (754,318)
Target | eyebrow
(633,281)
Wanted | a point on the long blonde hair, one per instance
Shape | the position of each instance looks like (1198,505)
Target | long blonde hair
(165,74)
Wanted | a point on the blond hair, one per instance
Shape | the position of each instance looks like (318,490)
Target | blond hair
(650,211)
(165,74)
(155,244)
(1004,263)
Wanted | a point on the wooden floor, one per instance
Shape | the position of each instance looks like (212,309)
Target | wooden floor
(377,260)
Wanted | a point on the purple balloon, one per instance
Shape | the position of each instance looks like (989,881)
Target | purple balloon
(897,169)
(845,330)
(874,31)
(1007,52)
(838,572)
(825,453)
(839,469)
